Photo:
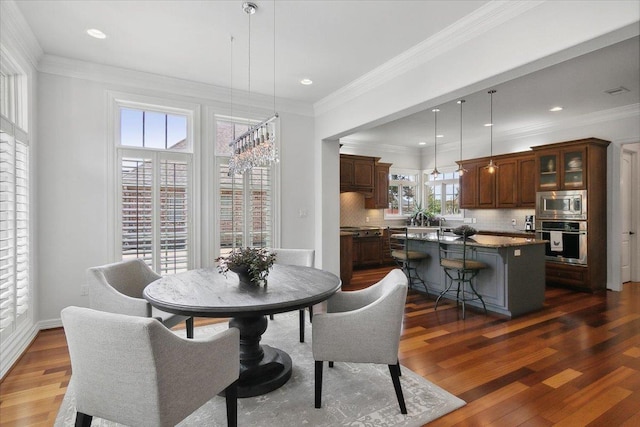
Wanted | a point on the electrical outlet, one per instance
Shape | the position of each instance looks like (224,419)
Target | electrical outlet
(366,219)
(513,222)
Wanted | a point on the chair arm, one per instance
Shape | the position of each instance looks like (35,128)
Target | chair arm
(195,370)
(348,301)
(105,298)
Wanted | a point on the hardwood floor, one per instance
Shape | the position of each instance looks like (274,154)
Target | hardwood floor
(574,363)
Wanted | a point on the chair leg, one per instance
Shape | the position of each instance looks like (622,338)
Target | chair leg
(83,420)
(399,371)
(318,386)
(189,323)
(301,325)
(395,377)
(331,364)
(231,398)
(271,317)
(311,313)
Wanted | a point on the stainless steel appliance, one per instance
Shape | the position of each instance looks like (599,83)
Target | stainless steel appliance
(567,240)
(561,204)
(529,223)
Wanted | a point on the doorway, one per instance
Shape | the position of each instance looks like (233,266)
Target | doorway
(630,210)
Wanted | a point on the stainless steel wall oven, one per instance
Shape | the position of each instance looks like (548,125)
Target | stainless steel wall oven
(567,240)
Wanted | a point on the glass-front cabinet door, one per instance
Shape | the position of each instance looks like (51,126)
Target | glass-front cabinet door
(548,171)
(573,167)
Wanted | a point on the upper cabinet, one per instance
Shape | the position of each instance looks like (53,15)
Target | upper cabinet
(357,173)
(561,169)
(380,199)
(512,185)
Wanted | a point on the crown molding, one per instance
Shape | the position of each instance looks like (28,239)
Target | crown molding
(16,33)
(483,19)
(603,116)
(383,148)
(56,65)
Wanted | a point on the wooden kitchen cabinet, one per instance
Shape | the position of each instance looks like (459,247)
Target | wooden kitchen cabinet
(357,173)
(512,185)
(579,165)
(380,199)
(346,258)
(367,251)
(477,186)
(568,165)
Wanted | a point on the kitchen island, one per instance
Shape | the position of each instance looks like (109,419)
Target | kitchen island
(514,283)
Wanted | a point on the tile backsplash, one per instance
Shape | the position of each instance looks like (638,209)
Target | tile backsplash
(353,213)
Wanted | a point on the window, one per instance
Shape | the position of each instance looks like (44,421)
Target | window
(155,187)
(15,250)
(246,201)
(403,193)
(441,194)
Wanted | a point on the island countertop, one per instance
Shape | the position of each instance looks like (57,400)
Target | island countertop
(480,240)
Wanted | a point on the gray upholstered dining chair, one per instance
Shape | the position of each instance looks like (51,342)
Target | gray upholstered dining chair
(117,288)
(362,327)
(134,371)
(303,257)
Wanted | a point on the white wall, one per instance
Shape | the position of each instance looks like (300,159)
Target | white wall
(73,179)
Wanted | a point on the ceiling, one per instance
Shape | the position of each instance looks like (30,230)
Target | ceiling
(331,42)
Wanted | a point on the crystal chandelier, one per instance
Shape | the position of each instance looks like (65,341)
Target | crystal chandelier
(257,146)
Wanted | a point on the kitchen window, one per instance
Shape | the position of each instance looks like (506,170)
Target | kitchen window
(155,178)
(441,194)
(403,193)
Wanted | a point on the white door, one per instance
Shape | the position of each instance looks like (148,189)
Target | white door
(625,198)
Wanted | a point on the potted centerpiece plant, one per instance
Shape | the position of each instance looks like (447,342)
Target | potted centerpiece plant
(252,265)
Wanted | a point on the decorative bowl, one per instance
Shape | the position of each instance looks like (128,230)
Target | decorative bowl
(465,231)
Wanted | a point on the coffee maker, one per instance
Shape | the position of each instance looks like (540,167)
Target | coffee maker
(529,223)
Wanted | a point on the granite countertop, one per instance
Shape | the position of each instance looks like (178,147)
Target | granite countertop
(481,240)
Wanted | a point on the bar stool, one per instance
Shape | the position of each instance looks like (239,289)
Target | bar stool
(460,268)
(407,260)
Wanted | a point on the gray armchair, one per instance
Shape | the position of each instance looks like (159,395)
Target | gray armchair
(117,288)
(303,257)
(133,371)
(362,327)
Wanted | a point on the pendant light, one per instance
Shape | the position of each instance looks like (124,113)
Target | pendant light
(461,170)
(491,167)
(435,172)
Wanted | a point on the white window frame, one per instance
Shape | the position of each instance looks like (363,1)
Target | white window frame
(441,183)
(417,186)
(191,154)
(16,93)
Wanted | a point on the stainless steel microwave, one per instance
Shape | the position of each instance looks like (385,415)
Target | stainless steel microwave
(561,205)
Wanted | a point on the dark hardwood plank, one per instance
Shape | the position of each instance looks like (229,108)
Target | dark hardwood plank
(575,362)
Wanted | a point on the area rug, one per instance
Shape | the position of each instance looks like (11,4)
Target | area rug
(353,394)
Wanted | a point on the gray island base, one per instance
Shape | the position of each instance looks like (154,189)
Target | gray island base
(514,283)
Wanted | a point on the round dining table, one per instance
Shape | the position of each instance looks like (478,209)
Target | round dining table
(208,293)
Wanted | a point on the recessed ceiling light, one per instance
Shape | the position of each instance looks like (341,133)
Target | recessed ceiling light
(306,82)
(439,136)
(558,108)
(422,143)
(96,33)
(488,124)
(617,91)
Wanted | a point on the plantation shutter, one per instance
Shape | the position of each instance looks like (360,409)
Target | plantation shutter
(14,227)
(137,209)
(174,224)
(155,197)
(231,210)
(260,207)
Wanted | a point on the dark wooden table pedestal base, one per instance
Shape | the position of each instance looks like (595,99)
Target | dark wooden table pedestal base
(262,367)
